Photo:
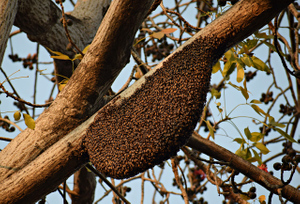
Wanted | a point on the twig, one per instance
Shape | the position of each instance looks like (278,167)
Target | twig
(12,87)
(185,183)
(14,33)
(277,49)
(128,81)
(12,123)
(184,193)
(35,78)
(69,191)
(66,29)
(181,18)
(142,65)
(142,187)
(103,178)
(5,139)
(23,101)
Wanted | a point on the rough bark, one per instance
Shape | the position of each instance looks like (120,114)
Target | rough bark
(82,96)
(261,177)
(84,187)
(8,11)
(41,21)
(28,153)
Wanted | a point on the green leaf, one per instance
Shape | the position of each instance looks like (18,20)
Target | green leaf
(241,152)
(241,89)
(228,68)
(263,35)
(248,154)
(29,122)
(247,60)
(246,46)
(240,73)
(247,133)
(258,110)
(239,140)
(215,93)
(211,129)
(260,65)
(234,86)
(273,123)
(257,157)
(256,136)
(270,45)
(263,149)
(216,67)
(230,64)
(245,93)
(17,115)
(284,134)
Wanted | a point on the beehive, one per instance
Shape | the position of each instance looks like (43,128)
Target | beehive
(153,123)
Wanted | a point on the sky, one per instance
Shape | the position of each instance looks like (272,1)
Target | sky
(24,83)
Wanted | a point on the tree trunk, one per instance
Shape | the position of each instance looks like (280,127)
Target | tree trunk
(40,159)
(7,16)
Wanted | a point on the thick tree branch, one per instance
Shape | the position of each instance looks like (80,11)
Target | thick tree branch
(82,96)
(46,28)
(41,21)
(263,178)
(7,17)
(84,186)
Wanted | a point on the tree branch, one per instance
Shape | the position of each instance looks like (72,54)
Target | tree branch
(7,16)
(261,177)
(83,94)
(41,21)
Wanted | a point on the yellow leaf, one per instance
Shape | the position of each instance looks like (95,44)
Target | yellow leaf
(216,67)
(262,198)
(168,30)
(263,149)
(210,128)
(244,197)
(17,115)
(29,122)
(62,84)
(158,35)
(85,49)
(260,65)
(258,110)
(60,55)
(137,75)
(77,56)
(240,73)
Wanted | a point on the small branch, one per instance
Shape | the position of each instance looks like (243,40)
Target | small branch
(66,29)
(12,123)
(181,18)
(5,139)
(103,178)
(23,101)
(277,49)
(184,193)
